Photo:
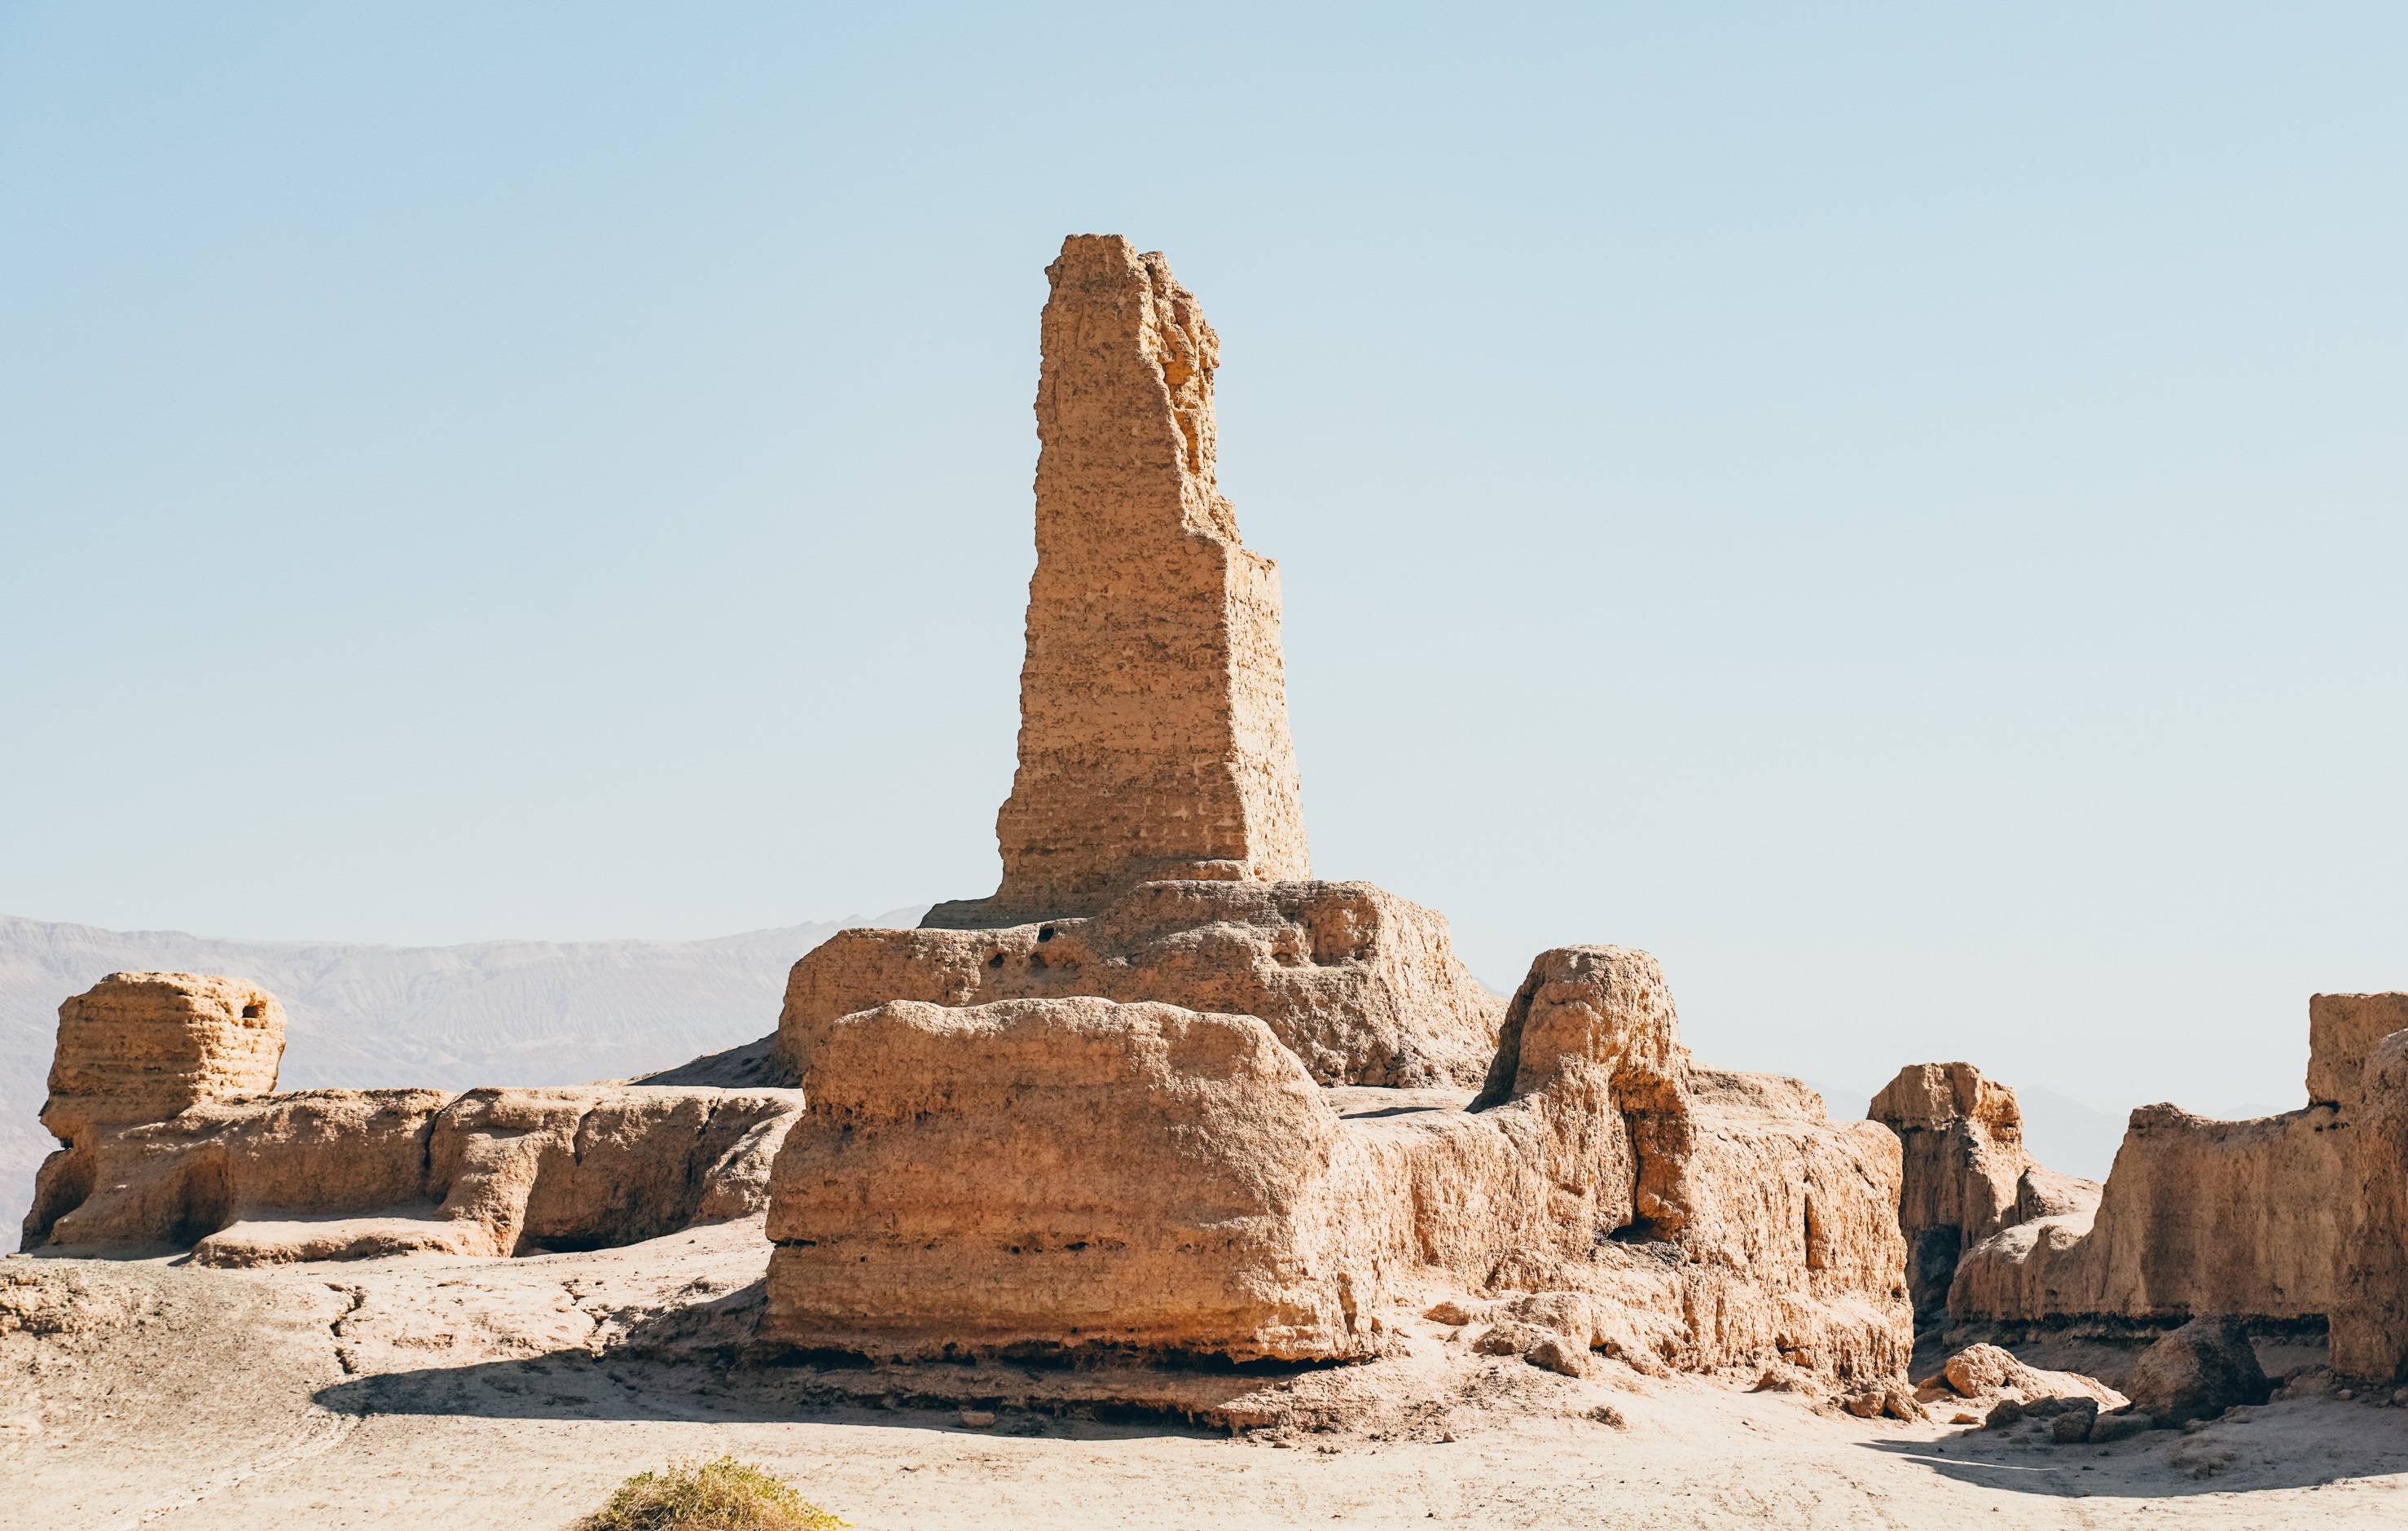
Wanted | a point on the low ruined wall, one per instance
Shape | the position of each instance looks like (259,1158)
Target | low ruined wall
(2370,1324)
(1793,1239)
(1046,1173)
(1039,1174)
(2240,1218)
(2286,1219)
(1361,985)
(163,1096)
(326,1174)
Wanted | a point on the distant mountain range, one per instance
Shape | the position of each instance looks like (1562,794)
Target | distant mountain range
(449,1017)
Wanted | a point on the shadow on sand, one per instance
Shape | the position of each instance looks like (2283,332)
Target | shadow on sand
(697,1363)
(573,1385)
(2261,1455)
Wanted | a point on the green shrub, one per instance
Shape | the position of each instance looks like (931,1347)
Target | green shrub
(722,1496)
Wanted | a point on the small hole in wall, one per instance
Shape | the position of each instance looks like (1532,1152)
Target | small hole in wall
(254,1011)
(1045,934)
(995,961)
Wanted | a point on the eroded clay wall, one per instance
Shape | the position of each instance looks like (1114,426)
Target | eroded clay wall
(1153,727)
(1362,985)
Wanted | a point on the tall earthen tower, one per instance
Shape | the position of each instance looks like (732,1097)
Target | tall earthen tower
(1154,735)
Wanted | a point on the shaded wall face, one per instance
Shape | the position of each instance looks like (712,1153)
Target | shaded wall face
(1962,1153)
(2244,1218)
(2369,1328)
(2249,1219)
(2343,1031)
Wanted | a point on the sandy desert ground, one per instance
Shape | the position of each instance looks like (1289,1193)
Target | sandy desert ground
(428,1391)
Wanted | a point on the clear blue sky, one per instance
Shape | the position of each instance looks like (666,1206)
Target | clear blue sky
(1897,508)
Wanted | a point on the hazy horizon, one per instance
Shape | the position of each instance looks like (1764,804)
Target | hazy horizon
(1895,513)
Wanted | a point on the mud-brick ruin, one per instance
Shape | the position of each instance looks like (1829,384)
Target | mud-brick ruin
(2296,1222)
(1163,1097)
(162,1095)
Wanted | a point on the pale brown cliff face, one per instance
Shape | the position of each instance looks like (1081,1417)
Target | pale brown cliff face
(1153,735)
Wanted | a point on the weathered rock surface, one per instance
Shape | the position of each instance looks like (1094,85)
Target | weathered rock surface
(347,1174)
(2369,1323)
(2121,1424)
(2044,1192)
(1038,1173)
(2343,1031)
(1361,985)
(138,1047)
(2258,1220)
(1792,1231)
(175,1138)
(1964,1156)
(2199,1217)
(1987,1373)
(2197,1372)
(1155,1179)
(1154,737)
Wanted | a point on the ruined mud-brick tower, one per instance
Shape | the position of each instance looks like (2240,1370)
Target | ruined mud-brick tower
(1153,842)
(1153,738)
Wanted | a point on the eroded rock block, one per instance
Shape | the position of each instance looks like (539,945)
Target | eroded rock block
(1361,985)
(2343,1031)
(140,1047)
(1963,1141)
(2197,1372)
(2199,1216)
(2073,1423)
(2121,1424)
(1061,1173)
(2046,1193)
(1984,1373)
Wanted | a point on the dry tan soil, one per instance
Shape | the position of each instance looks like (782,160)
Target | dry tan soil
(437,1392)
